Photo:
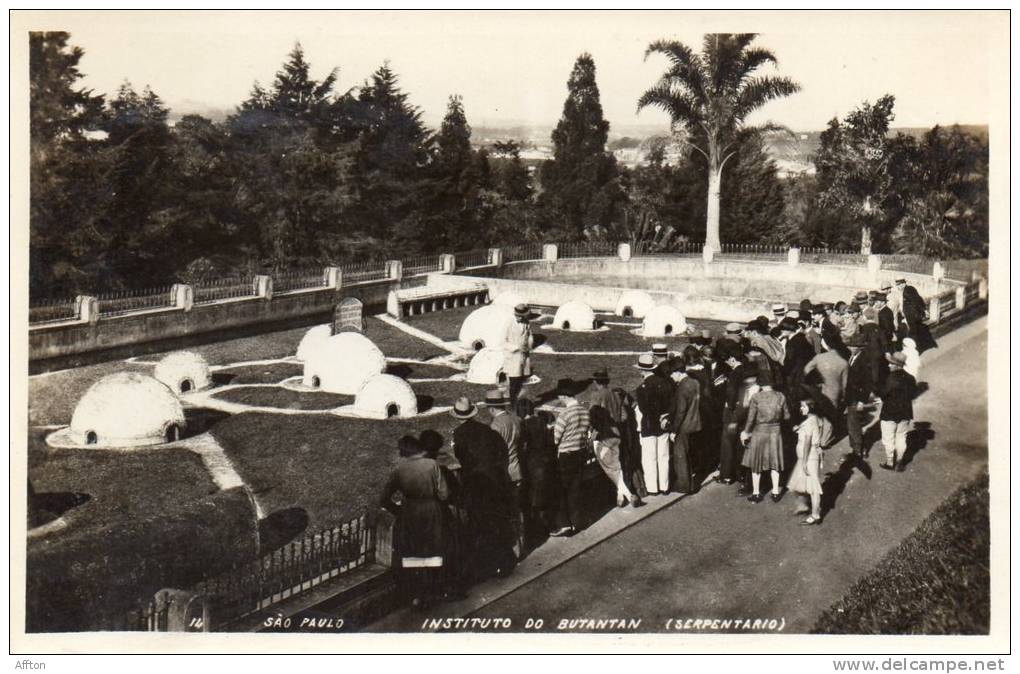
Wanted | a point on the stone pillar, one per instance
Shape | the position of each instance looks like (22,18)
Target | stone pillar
(392,305)
(550,253)
(934,310)
(496,257)
(961,297)
(793,257)
(707,254)
(983,289)
(87,308)
(447,263)
(263,286)
(384,537)
(938,271)
(334,277)
(874,264)
(184,296)
(394,270)
(623,252)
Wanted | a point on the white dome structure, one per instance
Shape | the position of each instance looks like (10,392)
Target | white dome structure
(486,326)
(662,321)
(636,303)
(510,299)
(127,409)
(314,336)
(384,396)
(183,372)
(576,316)
(486,366)
(342,363)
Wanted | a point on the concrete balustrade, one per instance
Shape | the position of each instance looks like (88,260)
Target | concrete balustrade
(496,257)
(623,252)
(550,252)
(793,257)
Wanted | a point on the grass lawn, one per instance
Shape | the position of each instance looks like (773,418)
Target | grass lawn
(52,397)
(935,582)
(396,343)
(445,393)
(121,485)
(284,398)
(443,324)
(257,347)
(272,373)
(420,370)
(330,467)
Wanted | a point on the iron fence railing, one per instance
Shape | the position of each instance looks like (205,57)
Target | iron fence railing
(966,270)
(291,570)
(298,279)
(129,301)
(569,249)
(422,264)
(213,290)
(816,255)
(45,311)
(523,252)
(676,249)
(362,272)
(947,302)
(741,251)
(480,257)
(911,264)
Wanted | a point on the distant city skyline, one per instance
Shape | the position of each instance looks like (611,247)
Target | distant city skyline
(511,68)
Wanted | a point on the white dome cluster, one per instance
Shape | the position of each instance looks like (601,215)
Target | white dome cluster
(663,321)
(486,327)
(636,303)
(384,396)
(183,372)
(314,336)
(342,363)
(576,316)
(127,409)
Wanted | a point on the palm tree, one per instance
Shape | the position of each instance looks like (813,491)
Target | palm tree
(709,95)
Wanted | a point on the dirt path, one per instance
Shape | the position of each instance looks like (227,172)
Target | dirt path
(715,555)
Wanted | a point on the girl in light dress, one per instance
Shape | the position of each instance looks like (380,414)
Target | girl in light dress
(804,480)
(913,366)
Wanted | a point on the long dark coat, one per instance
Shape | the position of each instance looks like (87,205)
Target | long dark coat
(541,472)
(913,313)
(418,531)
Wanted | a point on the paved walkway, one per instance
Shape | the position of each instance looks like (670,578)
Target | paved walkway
(715,555)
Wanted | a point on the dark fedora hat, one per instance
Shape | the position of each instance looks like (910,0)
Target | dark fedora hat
(567,388)
(788,324)
(646,362)
(463,408)
(496,398)
(601,375)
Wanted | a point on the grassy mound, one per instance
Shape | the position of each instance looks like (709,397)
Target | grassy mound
(52,397)
(935,582)
(284,398)
(331,467)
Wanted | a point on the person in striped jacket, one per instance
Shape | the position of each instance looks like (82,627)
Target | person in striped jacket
(573,425)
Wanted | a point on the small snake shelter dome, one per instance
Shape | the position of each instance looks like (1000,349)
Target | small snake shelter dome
(636,303)
(574,316)
(183,371)
(486,366)
(509,298)
(486,326)
(342,363)
(127,409)
(384,396)
(314,336)
(662,321)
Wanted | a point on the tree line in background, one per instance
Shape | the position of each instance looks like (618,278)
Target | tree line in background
(303,174)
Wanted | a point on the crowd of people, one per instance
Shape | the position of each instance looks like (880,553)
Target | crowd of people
(742,409)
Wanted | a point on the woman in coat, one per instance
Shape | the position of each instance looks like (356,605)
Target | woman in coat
(541,476)
(914,311)
(418,536)
(764,438)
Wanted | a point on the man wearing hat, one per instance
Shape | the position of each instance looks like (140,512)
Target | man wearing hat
(660,352)
(886,322)
(509,428)
(488,497)
(812,327)
(517,346)
(832,369)
(685,421)
(799,353)
(832,339)
(860,392)
(570,434)
(654,398)
(897,413)
(851,322)
(733,333)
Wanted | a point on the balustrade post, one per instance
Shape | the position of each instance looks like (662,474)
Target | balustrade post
(333,277)
(550,252)
(983,289)
(938,272)
(793,257)
(707,254)
(263,285)
(961,297)
(87,308)
(623,252)
(394,270)
(184,296)
(447,263)
(496,257)
(934,309)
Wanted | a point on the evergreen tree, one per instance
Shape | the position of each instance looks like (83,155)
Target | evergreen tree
(752,206)
(580,183)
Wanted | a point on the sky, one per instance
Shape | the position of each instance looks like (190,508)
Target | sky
(512,67)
